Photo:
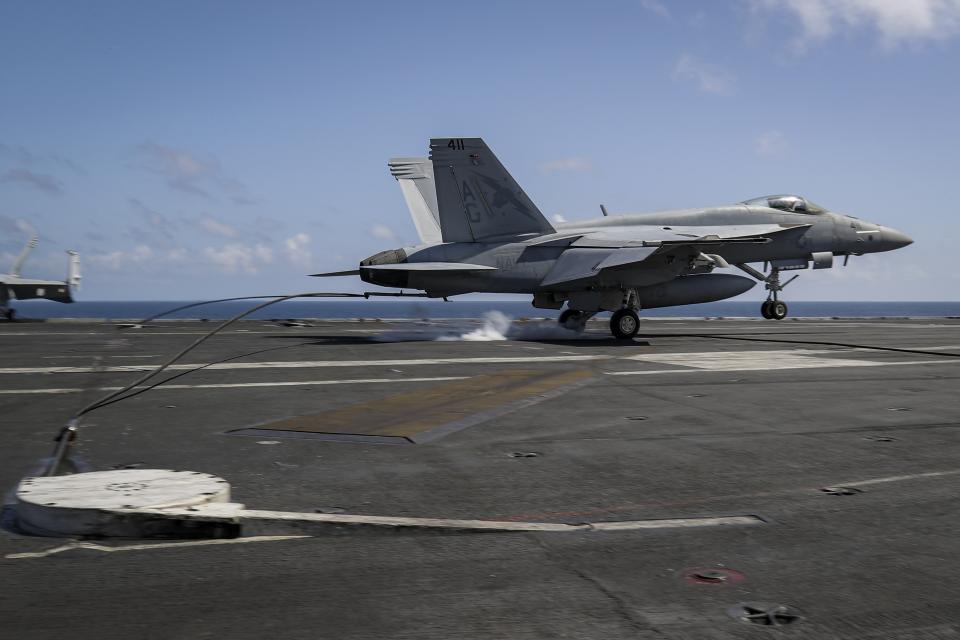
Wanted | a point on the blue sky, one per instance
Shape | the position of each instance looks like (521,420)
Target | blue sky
(208,149)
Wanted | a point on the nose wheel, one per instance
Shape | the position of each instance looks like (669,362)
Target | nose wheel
(774,310)
(624,324)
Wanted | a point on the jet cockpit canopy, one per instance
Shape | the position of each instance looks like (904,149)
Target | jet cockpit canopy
(786,202)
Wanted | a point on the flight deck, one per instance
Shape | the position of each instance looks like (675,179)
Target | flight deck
(791,478)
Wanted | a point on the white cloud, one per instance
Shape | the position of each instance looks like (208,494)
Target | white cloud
(239,258)
(770,143)
(656,7)
(122,259)
(217,228)
(896,21)
(23,156)
(40,181)
(565,164)
(230,258)
(40,264)
(297,252)
(12,226)
(383,232)
(558,218)
(708,77)
(157,231)
(187,172)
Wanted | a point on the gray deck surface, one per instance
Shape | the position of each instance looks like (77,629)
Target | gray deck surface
(719,427)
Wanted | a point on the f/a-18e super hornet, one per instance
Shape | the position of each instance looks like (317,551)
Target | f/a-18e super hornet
(13,286)
(480,232)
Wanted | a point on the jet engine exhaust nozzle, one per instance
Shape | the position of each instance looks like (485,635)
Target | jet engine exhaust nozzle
(385,278)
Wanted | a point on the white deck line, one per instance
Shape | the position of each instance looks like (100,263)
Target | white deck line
(823,363)
(240,385)
(798,358)
(914,476)
(93,546)
(306,364)
(760,366)
(289,522)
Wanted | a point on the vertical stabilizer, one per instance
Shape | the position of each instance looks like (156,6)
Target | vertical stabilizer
(73,270)
(478,200)
(18,263)
(415,177)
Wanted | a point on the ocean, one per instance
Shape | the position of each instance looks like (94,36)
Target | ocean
(432,309)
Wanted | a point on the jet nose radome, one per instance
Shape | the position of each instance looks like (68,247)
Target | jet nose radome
(893,239)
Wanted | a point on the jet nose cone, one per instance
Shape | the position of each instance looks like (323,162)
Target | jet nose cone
(894,239)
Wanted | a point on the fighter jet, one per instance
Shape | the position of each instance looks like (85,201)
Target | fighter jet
(480,232)
(15,287)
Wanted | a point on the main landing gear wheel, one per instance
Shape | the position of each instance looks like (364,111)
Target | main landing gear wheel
(570,319)
(774,310)
(624,324)
(777,309)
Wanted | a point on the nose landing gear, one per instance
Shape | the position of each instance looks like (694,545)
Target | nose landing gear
(773,308)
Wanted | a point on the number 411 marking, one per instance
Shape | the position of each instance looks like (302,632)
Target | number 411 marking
(456,144)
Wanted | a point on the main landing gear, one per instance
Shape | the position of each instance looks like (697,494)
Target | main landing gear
(624,324)
(574,320)
(774,308)
(6,313)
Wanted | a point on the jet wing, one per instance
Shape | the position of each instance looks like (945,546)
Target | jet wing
(588,262)
(581,262)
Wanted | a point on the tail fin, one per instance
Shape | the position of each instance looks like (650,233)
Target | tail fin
(478,200)
(415,177)
(73,271)
(18,263)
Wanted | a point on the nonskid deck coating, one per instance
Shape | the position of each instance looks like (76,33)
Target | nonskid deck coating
(712,427)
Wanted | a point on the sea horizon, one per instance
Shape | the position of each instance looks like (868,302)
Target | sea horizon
(420,308)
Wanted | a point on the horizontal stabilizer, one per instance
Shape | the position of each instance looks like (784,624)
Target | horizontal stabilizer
(430,266)
(333,274)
